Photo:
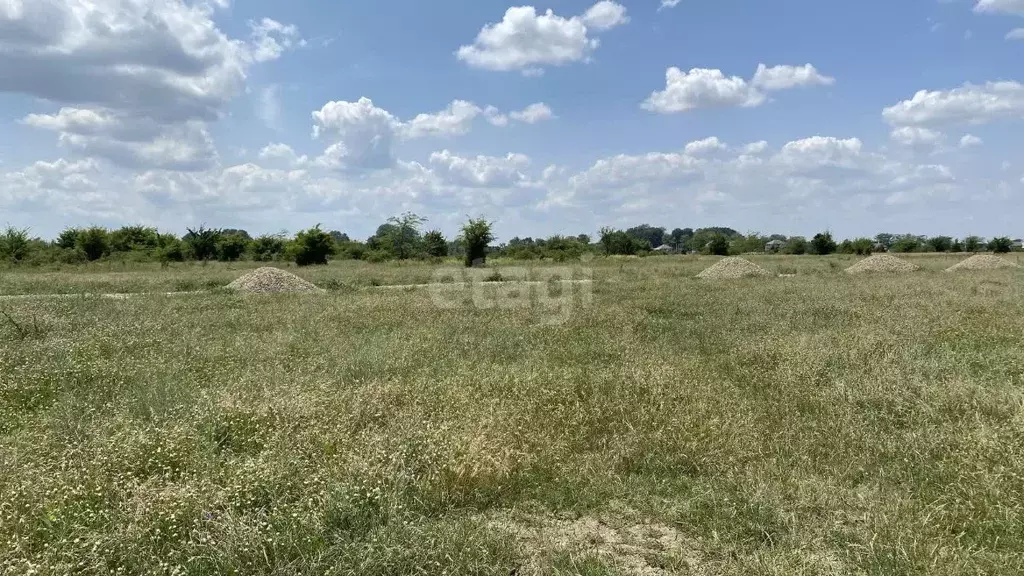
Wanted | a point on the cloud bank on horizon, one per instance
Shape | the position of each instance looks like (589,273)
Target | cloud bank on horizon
(557,118)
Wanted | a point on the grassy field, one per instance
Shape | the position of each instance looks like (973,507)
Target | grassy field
(815,424)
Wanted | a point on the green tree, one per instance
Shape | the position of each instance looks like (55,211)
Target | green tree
(940,243)
(885,239)
(863,246)
(718,245)
(906,243)
(652,235)
(312,247)
(973,243)
(133,238)
(403,235)
(202,242)
(435,244)
(267,247)
(94,242)
(796,245)
(1000,245)
(617,242)
(231,247)
(68,238)
(476,236)
(957,246)
(822,244)
(14,244)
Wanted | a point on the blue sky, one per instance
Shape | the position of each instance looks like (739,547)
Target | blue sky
(863,117)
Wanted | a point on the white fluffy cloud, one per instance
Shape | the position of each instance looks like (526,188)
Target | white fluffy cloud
(710,88)
(970,140)
(1000,6)
(1015,34)
(282,153)
(533,113)
(480,171)
(705,146)
(787,77)
(916,136)
(701,88)
(668,4)
(138,79)
(605,15)
(527,41)
(968,104)
(456,119)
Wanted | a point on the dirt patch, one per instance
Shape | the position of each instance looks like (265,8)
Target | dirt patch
(882,263)
(982,262)
(733,268)
(636,548)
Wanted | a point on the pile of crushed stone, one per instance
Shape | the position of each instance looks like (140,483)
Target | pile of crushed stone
(982,262)
(882,263)
(271,281)
(732,268)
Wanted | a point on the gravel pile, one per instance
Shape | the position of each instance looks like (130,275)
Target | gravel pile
(882,263)
(982,262)
(271,281)
(732,268)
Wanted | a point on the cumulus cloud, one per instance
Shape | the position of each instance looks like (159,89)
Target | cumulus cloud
(527,41)
(495,117)
(968,104)
(787,77)
(702,88)
(137,79)
(270,39)
(282,153)
(533,113)
(456,119)
(916,136)
(1015,7)
(364,135)
(480,171)
(605,15)
(710,88)
(705,146)
(970,140)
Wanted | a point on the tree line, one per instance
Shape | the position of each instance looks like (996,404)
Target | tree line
(403,238)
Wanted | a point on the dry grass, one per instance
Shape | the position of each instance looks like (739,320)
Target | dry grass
(884,263)
(824,424)
(982,262)
(732,269)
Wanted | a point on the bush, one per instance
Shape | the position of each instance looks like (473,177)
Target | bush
(1001,245)
(973,244)
(202,242)
(68,238)
(231,247)
(797,245)
(376,256)
(173,250)
(267,248)
(14,244)
(476,236)
(618,243)
(312,247)
(823,244)
(718,246)
(94,242)
(863,246)
(434,244)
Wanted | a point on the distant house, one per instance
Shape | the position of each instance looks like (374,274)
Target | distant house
(879,247)
(1018,243)
(665,249)
(774,246)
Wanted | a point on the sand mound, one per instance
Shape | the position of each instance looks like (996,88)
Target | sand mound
(731,268)
(882,263)
(271,281)
(982,262)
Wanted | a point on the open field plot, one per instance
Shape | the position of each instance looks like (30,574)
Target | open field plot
(817,424)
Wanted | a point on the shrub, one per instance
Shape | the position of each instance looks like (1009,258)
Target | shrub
(863,246)
(797,245)
(941,243)
(376,256)
(823,244)
(14,244)
(1001,245)
(173,250)
(133,238)
(267,247)
(434,244)
(94,242)
(973,244)
(231,247)
(616,242)
(68,238)
(312,247)
(202,242)
(476,235)
(718,246)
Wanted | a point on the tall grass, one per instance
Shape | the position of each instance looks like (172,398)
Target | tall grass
(820,424)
